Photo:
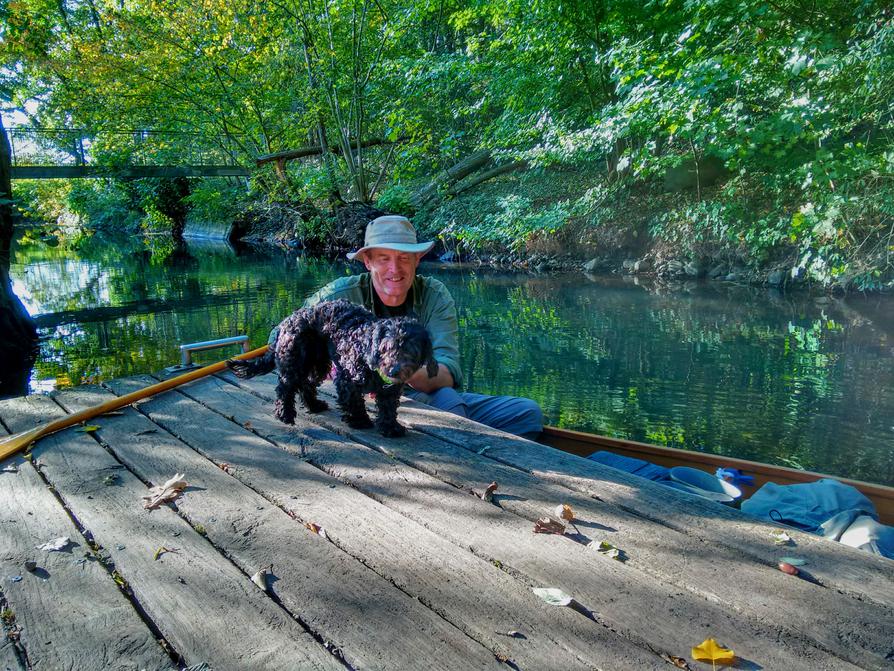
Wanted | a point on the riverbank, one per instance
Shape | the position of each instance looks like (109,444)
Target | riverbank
(570,217)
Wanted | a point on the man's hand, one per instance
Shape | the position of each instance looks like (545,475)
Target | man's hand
(422,382)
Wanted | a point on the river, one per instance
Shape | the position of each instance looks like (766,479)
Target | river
(786,378)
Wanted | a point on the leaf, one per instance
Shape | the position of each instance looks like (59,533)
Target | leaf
(780,537)
(564,512)
(56,545)
(260,578)
(316,528)
(164,493)
(679,662)
(162,550)
(88,428)
(710,651)
(548,525)
(553,596)
(489,492)
(609,550)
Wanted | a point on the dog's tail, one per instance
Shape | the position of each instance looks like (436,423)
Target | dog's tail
(245,369)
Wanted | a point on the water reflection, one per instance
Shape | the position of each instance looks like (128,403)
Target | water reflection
(758,374)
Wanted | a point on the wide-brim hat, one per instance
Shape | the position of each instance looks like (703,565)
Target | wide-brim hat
(391,232)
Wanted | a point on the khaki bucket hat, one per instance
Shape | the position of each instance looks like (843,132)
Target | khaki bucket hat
(391,232)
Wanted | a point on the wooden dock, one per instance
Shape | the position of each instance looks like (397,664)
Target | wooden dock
(383,553)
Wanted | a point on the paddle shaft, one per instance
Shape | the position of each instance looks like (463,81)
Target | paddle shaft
(19,441)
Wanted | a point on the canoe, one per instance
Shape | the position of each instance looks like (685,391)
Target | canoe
(584,444)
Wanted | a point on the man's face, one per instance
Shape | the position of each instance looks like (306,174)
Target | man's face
(392,273)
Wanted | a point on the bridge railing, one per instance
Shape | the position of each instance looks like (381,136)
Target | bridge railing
(73,147)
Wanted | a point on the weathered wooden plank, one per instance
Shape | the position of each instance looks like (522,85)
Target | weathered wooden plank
(646,609)
(179,589)
(70,613)
(336,597)
(468,591)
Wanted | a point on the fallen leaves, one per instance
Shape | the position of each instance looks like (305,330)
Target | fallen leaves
(56,545)
(317,529)
(169,491)
(489,492)
(679,662)
(549,525)
(564,512)
(163,550)
(261,578)
(553,596)
(607,549)
(710,651)
(88,428)
(780,537)
(787,568)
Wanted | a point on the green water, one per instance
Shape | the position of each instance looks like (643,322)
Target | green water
(784,378)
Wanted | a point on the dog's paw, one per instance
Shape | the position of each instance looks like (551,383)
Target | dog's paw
(358,422)
(393,431)
(285,417)
(317,406)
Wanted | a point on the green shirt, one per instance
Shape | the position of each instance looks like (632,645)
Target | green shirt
(432,305)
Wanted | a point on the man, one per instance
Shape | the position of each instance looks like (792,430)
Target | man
(391,288)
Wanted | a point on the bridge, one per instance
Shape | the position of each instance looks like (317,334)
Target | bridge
(65,153)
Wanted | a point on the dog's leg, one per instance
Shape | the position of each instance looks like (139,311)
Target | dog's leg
(386,417)
(350,400)
(284,408)
(308,391)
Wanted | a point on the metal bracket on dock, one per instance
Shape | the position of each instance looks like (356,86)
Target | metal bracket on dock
(186,351)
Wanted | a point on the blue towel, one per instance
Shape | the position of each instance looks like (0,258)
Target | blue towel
(640,467)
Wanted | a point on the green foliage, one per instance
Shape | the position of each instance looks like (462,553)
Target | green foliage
(103,204)
(396,199)
(795,104)
(42,200)
(215,200)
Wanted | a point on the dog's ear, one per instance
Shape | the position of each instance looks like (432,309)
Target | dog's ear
(377,333)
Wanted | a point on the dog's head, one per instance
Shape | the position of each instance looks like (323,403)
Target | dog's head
(401,347)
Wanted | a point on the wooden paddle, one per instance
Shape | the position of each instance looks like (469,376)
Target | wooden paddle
(19,441)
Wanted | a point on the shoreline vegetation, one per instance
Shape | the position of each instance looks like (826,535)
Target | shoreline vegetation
(736,141)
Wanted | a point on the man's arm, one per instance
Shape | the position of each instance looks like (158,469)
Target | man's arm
(439,317)
(422,382)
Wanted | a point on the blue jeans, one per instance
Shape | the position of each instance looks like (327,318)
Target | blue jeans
(513,414)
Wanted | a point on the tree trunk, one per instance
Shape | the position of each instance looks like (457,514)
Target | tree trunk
(18,344)
(450,176)
(488,174)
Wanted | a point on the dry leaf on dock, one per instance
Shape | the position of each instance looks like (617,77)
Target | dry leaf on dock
(711,651)
(316,528)
(489,492)
(164,493)
(564,512)
(260,578)
(548,525)
(553,596)
(56,545)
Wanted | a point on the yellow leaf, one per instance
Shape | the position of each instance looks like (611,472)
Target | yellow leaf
(89,428)
(710,651)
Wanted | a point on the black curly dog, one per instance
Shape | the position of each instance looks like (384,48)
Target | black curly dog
(370,355)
